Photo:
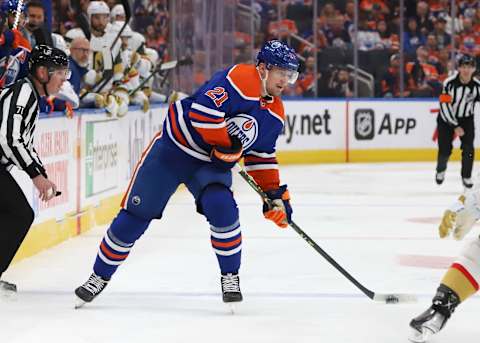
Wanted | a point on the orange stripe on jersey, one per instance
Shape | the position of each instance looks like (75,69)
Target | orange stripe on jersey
(267,179)
(465,272)
(226,244)
(277,107)
(245,78)
(111,254)
(197,116)
(139,163)
(215,136)
(176,131)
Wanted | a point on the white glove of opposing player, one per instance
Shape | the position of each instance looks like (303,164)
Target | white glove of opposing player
(460,217)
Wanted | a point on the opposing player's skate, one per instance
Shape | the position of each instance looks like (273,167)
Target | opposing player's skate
(7,289)
(90,289)
(231,289)
(436,316)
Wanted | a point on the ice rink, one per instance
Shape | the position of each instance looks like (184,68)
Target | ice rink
(378,220)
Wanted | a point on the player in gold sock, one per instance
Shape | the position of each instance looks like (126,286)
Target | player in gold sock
(462,278)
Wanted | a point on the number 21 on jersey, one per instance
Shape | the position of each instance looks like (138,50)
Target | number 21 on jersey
(218,95)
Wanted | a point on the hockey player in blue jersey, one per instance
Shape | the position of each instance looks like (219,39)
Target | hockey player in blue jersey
(237,113)
(14,47)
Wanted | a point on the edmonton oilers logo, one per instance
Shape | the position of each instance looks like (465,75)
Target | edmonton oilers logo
(245,127)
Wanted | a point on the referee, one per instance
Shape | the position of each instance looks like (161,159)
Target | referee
(48,69)
(458,102)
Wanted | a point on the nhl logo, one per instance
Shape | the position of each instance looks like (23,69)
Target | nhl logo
(245,127)
(136,200)
(364,124)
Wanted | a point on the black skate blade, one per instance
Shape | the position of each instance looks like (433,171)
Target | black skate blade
(395,298)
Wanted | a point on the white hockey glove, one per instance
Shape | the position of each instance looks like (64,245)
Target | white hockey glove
(460,217)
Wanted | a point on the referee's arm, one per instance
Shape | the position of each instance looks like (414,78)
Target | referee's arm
(446,109)
(18,105)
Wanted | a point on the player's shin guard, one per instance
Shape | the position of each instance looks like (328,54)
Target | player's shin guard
(221,211)
(117,243)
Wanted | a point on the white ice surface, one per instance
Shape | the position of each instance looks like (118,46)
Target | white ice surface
(367,216)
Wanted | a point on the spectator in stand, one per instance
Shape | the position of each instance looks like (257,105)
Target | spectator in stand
(336,34)
(368,5)
(390,83)
(442,37)
(448,26)
(424,23)
(468,8)
(35,28)
(78,62)
(282,29)
(349,16)
(155,41)
(368,39)
(413,37)
(390,40)
(305,84)
(443,60)
(341,84)
(375,15)
(437,7)
(301,12)
(468,40)
(422,76)
(328,14)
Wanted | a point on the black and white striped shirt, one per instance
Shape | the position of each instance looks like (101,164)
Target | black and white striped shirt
(18,118)
(459,100)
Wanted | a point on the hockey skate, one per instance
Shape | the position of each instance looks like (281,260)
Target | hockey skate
(439,177)
(7,289)
(467,182)
(435,317)
(231,293)
(90,290)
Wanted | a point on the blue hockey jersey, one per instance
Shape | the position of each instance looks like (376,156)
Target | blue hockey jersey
(230,103)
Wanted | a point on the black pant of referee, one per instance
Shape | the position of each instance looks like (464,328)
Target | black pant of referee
(16,217)
(445,138)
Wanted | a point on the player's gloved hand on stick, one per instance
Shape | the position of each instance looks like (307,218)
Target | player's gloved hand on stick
(227,157)
(280,212)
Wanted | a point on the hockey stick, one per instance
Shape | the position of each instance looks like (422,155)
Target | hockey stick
(387,298)
(163,69)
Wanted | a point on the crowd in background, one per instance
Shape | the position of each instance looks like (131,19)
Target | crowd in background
(431,40)
(428,43)
(111,61)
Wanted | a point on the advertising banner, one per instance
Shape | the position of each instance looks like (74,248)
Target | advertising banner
(313,125)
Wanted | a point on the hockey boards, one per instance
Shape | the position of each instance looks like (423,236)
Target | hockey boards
(392,298)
